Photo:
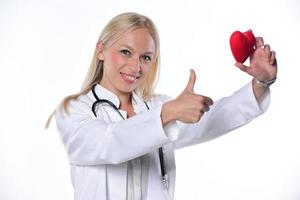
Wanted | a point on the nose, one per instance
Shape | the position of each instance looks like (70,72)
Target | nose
(135,64)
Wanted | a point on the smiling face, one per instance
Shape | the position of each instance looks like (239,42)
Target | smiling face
(127,62)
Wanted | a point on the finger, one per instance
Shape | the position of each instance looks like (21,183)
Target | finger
(204,100)
(242,67)
(259,42)
(206,108)
(208,101)
(267,48)
(272,58)
(191,82)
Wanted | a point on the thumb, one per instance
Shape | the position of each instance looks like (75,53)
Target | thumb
(242,67)
(191,83)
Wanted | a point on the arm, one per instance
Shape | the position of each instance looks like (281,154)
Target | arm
(228,113)
(263,68)
(225,115)
(92,141)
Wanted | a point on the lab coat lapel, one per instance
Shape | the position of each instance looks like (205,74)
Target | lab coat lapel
(117,174)
(138,103)
(104,93)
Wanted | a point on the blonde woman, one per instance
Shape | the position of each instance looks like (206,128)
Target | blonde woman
(120,137)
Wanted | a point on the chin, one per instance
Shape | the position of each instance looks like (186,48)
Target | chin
(127,89)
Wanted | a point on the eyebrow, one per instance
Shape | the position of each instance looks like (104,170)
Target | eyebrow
(129,47)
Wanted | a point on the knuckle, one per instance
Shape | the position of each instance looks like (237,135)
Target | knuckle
(196,118)
(200,98)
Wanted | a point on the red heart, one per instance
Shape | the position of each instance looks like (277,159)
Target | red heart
(242,45)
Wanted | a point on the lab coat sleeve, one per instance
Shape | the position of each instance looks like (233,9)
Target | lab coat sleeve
(224,116)
(92,141)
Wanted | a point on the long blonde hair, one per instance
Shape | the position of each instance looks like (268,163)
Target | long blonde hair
(115,28)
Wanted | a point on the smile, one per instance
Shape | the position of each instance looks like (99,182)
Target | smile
(129,78)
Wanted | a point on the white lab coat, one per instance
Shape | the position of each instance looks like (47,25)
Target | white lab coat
(99,148)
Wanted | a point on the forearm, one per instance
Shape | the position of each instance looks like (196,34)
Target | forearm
(90,141)
(259,90)
(225,115)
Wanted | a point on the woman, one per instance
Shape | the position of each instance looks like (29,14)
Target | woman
(120,137)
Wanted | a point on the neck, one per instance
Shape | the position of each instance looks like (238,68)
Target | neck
(124,98)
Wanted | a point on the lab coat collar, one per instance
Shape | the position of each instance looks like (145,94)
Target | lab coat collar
(138,103)
(104,93)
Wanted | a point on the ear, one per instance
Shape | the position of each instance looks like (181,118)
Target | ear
(100,49)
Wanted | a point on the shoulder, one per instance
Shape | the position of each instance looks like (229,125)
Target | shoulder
(78,113)
(80,106)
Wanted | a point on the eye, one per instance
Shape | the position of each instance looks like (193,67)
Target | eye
(125,52)
(146,58)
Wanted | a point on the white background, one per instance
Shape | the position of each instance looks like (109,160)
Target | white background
(45,50)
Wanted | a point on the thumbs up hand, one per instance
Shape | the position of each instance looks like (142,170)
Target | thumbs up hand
(188,107)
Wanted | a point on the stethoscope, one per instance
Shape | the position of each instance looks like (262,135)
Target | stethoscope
(160,150)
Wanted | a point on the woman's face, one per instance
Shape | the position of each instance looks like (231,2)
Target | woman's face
(127,61)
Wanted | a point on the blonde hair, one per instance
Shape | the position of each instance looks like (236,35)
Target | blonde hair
(115,28)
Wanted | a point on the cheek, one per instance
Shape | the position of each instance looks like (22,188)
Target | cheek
(147,68)
(115,59)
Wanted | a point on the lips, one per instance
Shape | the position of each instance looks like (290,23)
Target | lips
(130,78)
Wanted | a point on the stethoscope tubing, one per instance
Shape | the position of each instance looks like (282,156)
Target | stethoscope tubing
(160,150)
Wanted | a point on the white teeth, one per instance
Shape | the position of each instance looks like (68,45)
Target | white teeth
(131,78)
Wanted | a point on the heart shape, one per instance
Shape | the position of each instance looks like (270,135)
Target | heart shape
(242,45)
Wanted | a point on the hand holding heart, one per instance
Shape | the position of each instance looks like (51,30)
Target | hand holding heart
(263,65)
(188,107)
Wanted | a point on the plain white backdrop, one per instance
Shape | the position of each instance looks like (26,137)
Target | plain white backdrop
(45,50)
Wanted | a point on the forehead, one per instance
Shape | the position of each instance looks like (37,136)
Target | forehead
(139,39)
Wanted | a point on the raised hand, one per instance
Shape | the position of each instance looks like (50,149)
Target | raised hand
(263,65)
(188,107)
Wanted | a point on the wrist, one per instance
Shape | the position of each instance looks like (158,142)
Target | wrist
(167,114)
(265,83)
(259,90)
